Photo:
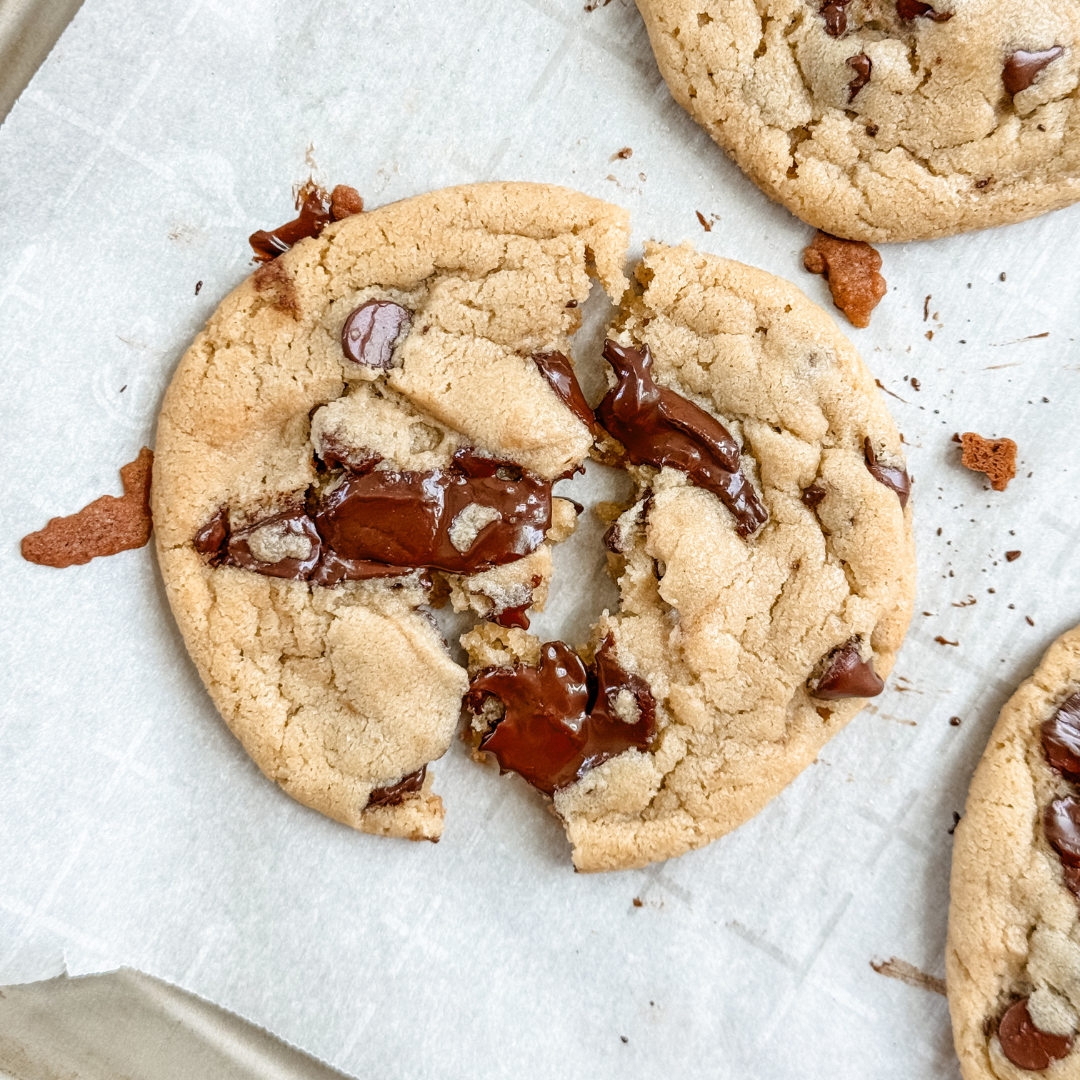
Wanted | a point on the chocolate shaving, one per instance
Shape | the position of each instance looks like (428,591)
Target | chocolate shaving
(106,526)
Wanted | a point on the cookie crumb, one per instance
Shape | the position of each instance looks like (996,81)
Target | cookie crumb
(1012,556)
(624,1038)
(622,155)
(704,224)
(638,902)
(1030,620)
(198,287)
(851,269)
(345,202)
(955,721)
(995,457)
(107,526)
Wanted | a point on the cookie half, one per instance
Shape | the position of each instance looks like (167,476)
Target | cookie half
(1013,956)
(376,414)
(766,570)
(885,119)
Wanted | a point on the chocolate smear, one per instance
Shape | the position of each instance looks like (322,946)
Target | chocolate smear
(1023,68)
(915,9)
(848,675)
(1024,1044)
(562,718)
(659,427)
(1061,739)
(393,794)
(889,475)
(835,16)
(862,65)
(314,205)
(559,373)
(1061,823)
(106,526)
(371,330)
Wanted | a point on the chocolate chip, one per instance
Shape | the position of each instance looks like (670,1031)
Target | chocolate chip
(835,15)
(393,794)
(889,475)
(661,428)
(848,676)
(314,206)
(915,9)
(862,65)
(1024,1044)
(1061,823)
(560,376)
(371,330)
(1061,738)
(1023,68)
(561,719)
(813,496)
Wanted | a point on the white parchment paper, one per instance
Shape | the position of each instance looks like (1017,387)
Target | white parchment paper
(134,830)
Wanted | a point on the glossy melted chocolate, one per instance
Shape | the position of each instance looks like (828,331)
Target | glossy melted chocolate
(915,9)
(315,214)
(1061,823)
(369,333)
(659,427)
(559,373)
(889,475)
(848,676)
(1061,739)
(835,16)
(560,719)
(1024,1044)
(1023,68)
(862,65)
(385,524)
(393,794)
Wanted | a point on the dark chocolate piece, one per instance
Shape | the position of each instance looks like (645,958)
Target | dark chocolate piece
(393,794)
(213,536)
(561,719)
(915,9)
(848,675)
(1061,739)
(315,214)
(659,427)
(889,475)
(291,523)
(813,496)
(560,376)
(1024,1044)
(1023,68)
(835,15)
(369,333)
(862,65)
(1061,823)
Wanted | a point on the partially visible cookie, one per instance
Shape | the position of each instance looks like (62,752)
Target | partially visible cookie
(766,569)
(1013,956)
(371,422)
(885,119)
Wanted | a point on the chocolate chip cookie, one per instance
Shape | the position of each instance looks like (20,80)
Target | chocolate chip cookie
(372,421)
(766,570)
(1013,957)
(885,119)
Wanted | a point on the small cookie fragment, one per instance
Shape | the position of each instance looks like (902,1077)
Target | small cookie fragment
(107,526)
(849,266)
(995,457)
(344,202)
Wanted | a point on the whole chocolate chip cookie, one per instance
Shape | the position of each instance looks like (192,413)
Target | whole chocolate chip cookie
(885,119)
(766,570)
(371,421)
(1013,957)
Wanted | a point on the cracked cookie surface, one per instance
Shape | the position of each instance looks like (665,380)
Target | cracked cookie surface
(885,120)
(757,646)
(1013,955)
(343,694)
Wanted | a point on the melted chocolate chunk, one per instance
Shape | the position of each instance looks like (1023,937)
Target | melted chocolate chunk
(848,675)
(1023,68)
(560,376)
(889,475)
(562,719)
(213,536)
(862,65)
(1024,1044)
(314,205)
(915,9)
(369,333)
(835,16)
(1061,823)
(813,496)
(1061,739)
(393,794)
(515,616)
(659,427)
(1072,879)
(287,535)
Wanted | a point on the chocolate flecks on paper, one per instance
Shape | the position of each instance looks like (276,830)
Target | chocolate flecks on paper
(107,526)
